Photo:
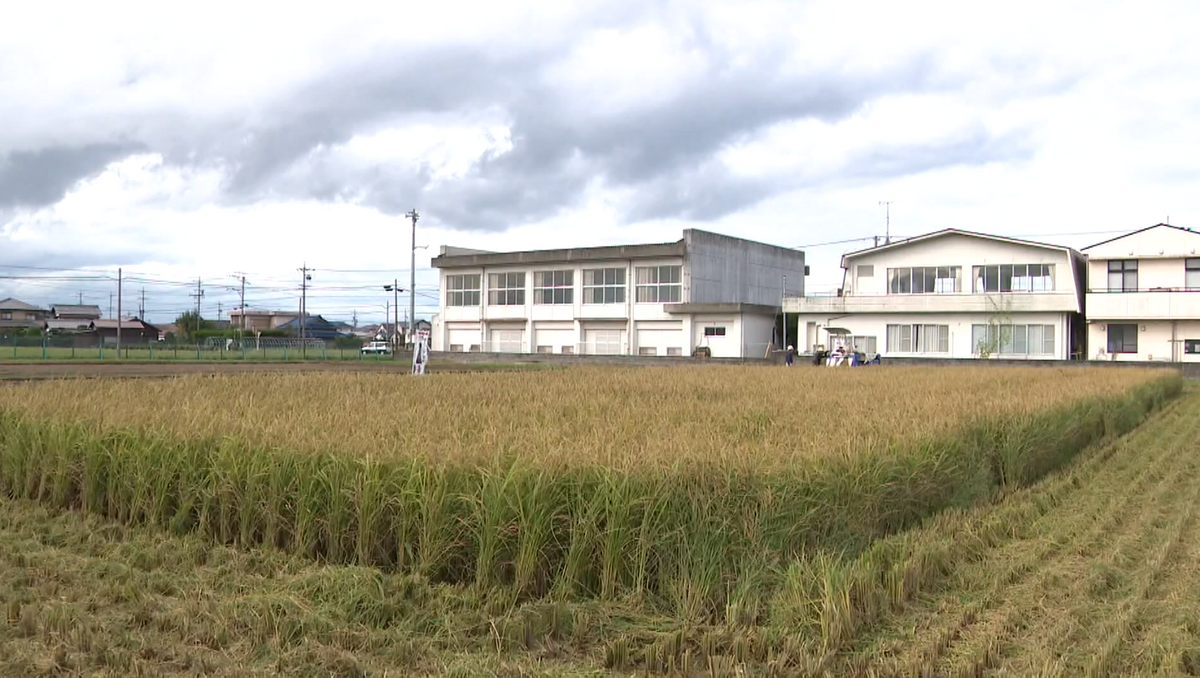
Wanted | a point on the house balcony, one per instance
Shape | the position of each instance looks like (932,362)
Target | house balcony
(1016,302)
(1153,304)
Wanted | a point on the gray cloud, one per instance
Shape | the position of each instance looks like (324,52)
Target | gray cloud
(42,177)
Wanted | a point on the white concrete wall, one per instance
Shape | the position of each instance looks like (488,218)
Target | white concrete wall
(728,346)
(963,251)
(1153,341)
(959,326)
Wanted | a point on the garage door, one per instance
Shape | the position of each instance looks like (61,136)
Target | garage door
(603,342)
(660,342)
(554,340)
(508,341)
(460,340)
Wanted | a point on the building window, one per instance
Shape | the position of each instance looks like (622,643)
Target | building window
(462,290)
(456,348)
(1191,346)
(604,286)
(918,338)
(603,342)
(508,341)
(863,344)
(506,289)
(1014,340)
(866,271)
(554,287)
(714,331)
(647,350)
(1122,338)
(5,315)
(674,351)
(923,280)
(1191,274)
(1123,276)
(659,284)
(1014,278)
(545,349)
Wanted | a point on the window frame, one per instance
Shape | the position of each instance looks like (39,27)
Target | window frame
(1012,278)
(716,331)
(604,289)
(917,338)
(1125,270)
(512,293)
(1124,338)
(652,292)
(457,288)
(560,291)
(1191,274)
(924,280)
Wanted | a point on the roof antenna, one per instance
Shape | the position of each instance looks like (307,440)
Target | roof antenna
(887,237)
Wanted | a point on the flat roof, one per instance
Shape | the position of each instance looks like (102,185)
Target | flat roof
(574,254)
(727,307)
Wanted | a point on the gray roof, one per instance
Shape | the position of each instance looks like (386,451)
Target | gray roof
(66,324)
(86,310)
(11,304)
(112,325)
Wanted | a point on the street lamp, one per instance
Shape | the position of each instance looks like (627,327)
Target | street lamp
(394,288)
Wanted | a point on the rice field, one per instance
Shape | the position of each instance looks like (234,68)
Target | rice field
(723,515)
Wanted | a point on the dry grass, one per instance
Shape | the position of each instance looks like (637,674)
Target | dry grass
(687,490)
(733,418)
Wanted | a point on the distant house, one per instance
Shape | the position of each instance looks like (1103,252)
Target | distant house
(315,327)
(251,319)
(18,314)
(133,331)
(85,312)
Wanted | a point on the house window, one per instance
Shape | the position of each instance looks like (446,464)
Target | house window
(545,349)
(866,271)
(456,348)
(675,351)
(604,286)
(918,338)
(659,284)
(554,287)
(923,280)
(1191,274)
(1122,338)
(1123,276)
(506,289)
(1014,278)
(1191,346)
(5,315)
(462,290)
(647,350)
(714,331)
(1013,340)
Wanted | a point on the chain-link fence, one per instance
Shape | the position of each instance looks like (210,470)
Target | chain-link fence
(77,347)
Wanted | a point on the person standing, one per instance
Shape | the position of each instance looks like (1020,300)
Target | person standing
(790,356)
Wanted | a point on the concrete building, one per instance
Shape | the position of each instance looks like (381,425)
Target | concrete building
(251,319)
(1143,296)
(951,294)
(668,299)
(16,314)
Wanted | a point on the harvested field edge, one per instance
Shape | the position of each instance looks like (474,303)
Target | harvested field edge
(705,547)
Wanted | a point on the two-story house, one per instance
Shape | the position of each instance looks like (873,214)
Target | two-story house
(707,291)
(18,314)
(1143,296)
(951,294)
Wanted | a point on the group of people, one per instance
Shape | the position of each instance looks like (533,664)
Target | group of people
(840,355)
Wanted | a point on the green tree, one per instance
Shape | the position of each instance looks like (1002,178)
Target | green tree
(189,323)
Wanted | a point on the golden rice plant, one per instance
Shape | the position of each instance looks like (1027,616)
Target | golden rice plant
(687,489)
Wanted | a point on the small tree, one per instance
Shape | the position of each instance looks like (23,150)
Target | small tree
(999,328)
(189,324)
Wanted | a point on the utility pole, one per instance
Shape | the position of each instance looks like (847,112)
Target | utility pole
(142,307)
(887,233)
(304,278)
(197,294)
(219,310)
(110,304)
(119,280)
(394,288)
(354,320)
(81,298)
(783,310)
(412,283)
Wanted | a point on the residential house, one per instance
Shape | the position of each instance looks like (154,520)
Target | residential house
(315,327)
(251,319)
(83,312)
(18,314)
(665,299)
(1143,296)
(951,294)
(133,331)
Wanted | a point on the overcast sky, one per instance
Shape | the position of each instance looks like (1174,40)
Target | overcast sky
(257,137)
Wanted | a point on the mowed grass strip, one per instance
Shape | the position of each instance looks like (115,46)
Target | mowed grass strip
(689,489)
